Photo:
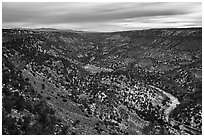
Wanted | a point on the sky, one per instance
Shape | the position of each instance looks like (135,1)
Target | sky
(102,17)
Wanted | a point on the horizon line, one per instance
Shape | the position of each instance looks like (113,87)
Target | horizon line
(103,31)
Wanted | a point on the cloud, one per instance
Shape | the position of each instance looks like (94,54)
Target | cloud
(100,16)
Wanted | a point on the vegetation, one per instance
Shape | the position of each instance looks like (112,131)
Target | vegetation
(130,86)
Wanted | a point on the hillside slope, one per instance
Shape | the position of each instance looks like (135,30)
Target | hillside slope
(134,82)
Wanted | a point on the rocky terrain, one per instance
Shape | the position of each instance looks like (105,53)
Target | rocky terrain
(134,82)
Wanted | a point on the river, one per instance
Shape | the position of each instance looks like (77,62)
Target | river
(174,102)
